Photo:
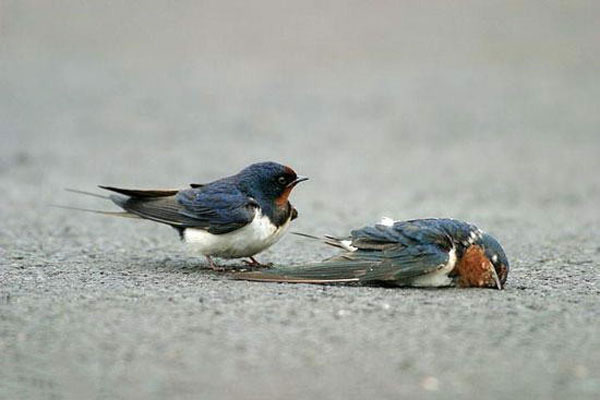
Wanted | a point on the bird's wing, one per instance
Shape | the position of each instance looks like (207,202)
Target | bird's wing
(214,211)
(142,193)
(381,253)
(404,233)
(217,211)
(381,237)
(394,265)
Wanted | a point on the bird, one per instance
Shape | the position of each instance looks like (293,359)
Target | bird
(233,217)
(423,253)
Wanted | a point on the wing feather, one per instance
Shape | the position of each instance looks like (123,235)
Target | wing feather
(393,254)
(395,266)
(217,212)
(141,193)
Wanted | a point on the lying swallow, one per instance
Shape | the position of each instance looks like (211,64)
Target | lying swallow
(233,217)
(417,253)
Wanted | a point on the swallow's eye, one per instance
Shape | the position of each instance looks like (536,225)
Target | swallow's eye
(282,180)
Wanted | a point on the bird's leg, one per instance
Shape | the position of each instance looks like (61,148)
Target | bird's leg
(256,264)
(212,265)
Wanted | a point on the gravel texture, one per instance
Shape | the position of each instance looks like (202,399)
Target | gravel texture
(483,112)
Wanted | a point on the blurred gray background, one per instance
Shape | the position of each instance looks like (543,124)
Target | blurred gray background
(484,111)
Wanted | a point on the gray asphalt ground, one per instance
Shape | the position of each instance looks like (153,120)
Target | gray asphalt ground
(486,112)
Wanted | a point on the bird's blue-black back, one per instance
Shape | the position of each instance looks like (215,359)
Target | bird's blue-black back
(442,232)
(218,207)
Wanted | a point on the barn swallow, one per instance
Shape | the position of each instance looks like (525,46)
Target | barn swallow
(233,217)
(416,253)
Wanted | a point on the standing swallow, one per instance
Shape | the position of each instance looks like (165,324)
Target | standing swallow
(233,217)
(417,253)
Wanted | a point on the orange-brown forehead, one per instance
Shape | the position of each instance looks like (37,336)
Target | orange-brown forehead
(289,170)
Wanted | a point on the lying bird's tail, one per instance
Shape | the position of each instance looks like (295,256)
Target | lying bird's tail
(344,244)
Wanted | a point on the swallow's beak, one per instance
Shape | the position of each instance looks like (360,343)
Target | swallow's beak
(495,277)
(297,181)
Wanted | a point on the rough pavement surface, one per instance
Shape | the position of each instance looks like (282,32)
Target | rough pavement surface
(483,112)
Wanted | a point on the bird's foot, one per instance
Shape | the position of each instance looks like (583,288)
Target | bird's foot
(255,264)
(213,266)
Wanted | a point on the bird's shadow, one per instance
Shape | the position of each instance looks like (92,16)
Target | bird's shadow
(228,269)
(199,265)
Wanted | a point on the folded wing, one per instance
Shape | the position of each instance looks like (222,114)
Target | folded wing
(216,212)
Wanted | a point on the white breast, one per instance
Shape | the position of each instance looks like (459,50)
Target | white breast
(438,278)
(244,242)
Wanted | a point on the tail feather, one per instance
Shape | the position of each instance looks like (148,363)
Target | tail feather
(87,193)
(307,236)
(141,193)
(123,214)
(118,200)
(328,240)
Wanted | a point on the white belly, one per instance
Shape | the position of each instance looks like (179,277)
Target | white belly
(244,242)
(438,278)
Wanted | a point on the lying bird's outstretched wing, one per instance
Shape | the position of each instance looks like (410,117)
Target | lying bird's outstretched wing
(377,254)
(393,267)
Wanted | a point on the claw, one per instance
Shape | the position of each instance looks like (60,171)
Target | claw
(255,264)
(213,266)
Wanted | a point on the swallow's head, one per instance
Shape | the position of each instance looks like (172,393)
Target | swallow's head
(270,181)
(498,262)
